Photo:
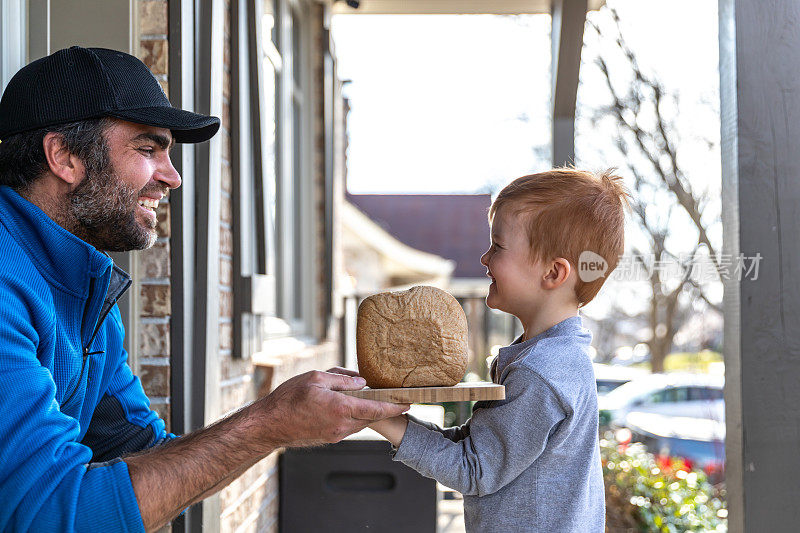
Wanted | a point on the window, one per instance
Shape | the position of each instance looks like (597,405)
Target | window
(272,180)
(671,395)
(294,268)
(657,397)
(697,394)
(680,394)
(13,38)
(605,386)
(715,393)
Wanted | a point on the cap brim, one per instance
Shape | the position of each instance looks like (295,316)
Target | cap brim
(186,126)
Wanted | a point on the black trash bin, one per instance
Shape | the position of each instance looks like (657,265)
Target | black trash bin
(353,486)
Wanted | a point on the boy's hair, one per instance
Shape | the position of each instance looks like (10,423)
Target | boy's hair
(569,211)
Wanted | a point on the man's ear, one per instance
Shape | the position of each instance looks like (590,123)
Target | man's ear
(557,274)
(64,165)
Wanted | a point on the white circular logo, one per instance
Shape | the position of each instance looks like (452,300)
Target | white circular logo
(591,266)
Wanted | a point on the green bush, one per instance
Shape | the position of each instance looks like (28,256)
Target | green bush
(646,493)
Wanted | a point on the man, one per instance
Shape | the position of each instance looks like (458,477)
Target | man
(85,136)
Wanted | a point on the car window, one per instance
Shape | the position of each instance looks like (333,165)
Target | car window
(699,394)
(715,394)
(670,395)
(704,393)
(658,397)
(607,385)
(680,394)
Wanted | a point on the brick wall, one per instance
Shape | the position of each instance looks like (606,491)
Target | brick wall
(153,265)
(251,502)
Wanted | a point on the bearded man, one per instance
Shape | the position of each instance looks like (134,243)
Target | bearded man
(85,135)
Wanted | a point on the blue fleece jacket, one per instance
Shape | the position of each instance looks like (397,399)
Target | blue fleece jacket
(69,404)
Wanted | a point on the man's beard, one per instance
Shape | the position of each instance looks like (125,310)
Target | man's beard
(103,210)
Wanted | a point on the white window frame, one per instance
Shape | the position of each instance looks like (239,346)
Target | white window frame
(267,307)
(13,38)
(295,277)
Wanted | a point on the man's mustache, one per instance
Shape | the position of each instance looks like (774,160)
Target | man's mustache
(159,190)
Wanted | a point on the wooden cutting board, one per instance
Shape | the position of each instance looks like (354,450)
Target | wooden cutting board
(462,392)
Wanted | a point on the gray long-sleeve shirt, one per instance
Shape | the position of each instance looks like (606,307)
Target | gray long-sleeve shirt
(530,462)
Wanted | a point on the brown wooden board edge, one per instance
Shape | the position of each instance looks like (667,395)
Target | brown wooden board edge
(462,392)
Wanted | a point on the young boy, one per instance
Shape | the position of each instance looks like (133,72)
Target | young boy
(531,462)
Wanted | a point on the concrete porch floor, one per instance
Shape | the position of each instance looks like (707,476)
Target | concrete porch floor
(449,512)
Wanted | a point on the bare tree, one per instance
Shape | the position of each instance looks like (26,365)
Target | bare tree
(648,141)
(618,326)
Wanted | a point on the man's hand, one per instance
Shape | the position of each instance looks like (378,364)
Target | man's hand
(306,410)
(343,371)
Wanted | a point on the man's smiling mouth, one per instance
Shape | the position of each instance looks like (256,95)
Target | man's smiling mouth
(149,203)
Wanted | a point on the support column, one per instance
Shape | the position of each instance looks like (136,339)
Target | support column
(208,54)
(566,36)
(186,386)
(760,108)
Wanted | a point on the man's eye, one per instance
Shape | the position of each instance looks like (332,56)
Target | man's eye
(147,151)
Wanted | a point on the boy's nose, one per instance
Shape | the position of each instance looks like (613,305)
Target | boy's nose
(485,259)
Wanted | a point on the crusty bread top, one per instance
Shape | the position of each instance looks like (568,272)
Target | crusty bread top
(412,338)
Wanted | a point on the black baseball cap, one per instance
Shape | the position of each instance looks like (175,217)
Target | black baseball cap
(82,83)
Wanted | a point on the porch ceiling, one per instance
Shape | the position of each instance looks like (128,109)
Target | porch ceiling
(451,7)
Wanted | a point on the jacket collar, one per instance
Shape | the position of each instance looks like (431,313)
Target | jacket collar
(59,255)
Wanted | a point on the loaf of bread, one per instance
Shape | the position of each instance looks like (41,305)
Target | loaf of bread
(413,338)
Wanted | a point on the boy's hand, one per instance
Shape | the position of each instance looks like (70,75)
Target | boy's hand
(392,428)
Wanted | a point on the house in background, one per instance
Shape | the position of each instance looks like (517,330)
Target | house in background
(376,261)
(456,227)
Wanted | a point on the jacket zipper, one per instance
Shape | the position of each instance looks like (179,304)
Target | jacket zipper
(86,352)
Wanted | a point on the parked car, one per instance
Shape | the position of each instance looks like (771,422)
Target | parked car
(687,395)
(698,442)
(609,377)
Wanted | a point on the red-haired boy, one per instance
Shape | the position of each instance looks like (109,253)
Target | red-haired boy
(531,462)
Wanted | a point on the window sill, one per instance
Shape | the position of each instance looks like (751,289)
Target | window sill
(283,358)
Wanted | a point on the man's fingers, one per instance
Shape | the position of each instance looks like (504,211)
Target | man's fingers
(371,410)
(341,382)
(343,371)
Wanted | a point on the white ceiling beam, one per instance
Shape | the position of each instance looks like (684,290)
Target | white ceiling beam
(449,7)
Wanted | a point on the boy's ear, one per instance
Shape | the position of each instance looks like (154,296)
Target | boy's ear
(557,274)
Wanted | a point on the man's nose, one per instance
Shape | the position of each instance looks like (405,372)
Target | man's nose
(168,175)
